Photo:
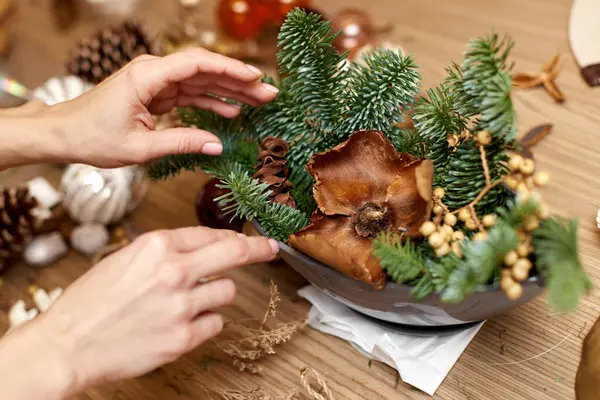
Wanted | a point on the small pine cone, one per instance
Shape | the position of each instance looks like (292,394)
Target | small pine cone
(18,223)
(272,169)
(98,57)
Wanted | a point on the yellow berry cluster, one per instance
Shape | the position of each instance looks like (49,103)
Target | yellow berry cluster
(516,262)
(522,177)
(440,233)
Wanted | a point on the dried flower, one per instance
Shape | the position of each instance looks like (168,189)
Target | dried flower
(255,344)
(362,187)
(546,78)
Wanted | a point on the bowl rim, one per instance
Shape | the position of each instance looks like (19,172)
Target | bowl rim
(532,280)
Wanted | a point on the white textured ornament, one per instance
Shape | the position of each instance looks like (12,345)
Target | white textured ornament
(105,196)
(45,249)
(598,219)
(44,300)
(121,8)
(89,238)
(60,89)
(18,315)
(43,192)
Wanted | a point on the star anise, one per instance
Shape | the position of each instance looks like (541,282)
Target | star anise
(546,78)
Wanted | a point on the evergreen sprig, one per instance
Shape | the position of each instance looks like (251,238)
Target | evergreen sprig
(557,259)
(249,199)
(482,258)
(378,92)
(401,261)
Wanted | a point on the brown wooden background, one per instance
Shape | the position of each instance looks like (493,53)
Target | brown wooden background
(527,354)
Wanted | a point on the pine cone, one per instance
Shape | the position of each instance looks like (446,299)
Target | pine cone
(18,223)
(98,57)
(272,169)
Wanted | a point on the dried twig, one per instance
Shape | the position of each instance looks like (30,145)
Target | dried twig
(255,344)
(308,375)
(273,303)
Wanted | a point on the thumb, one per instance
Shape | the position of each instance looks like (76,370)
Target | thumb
(183,141)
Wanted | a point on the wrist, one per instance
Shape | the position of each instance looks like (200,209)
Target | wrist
(34,133)
(36,365)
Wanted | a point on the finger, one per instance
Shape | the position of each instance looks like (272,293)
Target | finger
(226,254)
(229,94)
(209,296)
(262,92)
(209,103)
(153,76)
(179,141)
(194,237)
(205,327)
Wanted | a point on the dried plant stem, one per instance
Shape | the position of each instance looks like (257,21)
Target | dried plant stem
(308,375)
(484,163)
(273,303)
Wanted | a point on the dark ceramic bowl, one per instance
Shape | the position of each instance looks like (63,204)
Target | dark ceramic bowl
(394,303)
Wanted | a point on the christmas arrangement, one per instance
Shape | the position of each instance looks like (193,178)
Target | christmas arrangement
(447,203)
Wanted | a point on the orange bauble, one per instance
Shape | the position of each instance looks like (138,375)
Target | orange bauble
(243,19)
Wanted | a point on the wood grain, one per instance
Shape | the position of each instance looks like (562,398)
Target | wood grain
(530,353)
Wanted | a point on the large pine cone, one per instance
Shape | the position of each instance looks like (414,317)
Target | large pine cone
(18,223)
(98,57)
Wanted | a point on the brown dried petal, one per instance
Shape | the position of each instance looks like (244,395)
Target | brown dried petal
(359,170)
(526,80)
(409,198)
(271,170)
(276,146)
(552,64)
(535,135)
(554,91)
(285,198)
(283,187)
(333,241)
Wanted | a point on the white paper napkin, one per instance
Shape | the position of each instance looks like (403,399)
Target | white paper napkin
(422,361)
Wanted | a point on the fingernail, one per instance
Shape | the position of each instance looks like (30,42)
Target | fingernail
(212,149)
(241,235)
(254,69)
(271,88)
(274,245)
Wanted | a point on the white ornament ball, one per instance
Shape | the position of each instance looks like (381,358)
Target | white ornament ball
(118,8)
(45,249)
(89,238)
(60,89)
(100,195)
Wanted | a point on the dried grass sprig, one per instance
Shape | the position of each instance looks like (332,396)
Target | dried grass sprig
(254,344)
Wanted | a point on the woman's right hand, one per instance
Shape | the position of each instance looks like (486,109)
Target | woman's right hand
(136,310)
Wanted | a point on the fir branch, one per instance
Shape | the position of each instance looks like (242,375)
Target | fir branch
(249,199)
(496,108)
(485,58)
(435,119)
(401,261)
(239,153)
(408,141)
(378,92)
(557,259)
(481,260)
(308,57)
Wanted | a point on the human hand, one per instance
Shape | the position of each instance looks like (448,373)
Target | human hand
(112,124)
(136,310)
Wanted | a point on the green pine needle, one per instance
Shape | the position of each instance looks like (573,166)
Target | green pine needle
(481,260)
(379,91)
(249,199)
(401,261)
(557,259)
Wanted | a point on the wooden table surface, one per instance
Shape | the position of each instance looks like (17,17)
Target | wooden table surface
(530,353)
